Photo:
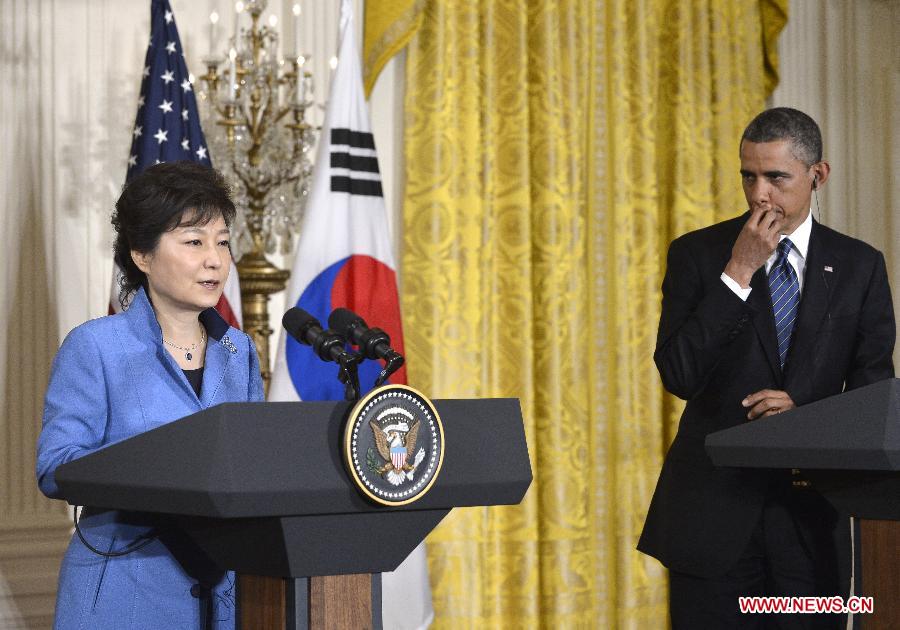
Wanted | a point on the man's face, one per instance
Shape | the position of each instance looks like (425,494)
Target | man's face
(775,180)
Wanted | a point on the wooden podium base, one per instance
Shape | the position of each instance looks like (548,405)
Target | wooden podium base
(339,602)
(880,557)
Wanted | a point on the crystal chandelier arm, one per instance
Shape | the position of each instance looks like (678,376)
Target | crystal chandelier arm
(283,112)
(263,139)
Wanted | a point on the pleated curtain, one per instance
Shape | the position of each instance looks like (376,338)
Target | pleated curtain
(552,151)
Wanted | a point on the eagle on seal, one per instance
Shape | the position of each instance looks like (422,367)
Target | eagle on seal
(396,444)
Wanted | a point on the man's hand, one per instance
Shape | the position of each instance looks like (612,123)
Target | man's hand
(767,402)
(758,239)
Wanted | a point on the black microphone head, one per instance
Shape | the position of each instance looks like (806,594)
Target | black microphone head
(343,320)
(296,322)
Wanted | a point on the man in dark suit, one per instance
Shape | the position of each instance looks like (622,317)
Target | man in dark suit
(761,313)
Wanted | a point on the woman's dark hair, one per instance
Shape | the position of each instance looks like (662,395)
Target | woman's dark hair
(155,202)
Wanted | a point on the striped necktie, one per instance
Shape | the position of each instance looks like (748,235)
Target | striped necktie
(785,290)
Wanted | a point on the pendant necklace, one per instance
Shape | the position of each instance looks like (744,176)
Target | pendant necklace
(189,350)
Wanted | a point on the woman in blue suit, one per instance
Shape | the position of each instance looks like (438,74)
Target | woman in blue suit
(167,356)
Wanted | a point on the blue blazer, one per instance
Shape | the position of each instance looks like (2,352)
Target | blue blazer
(113,379)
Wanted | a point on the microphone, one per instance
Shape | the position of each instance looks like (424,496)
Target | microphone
(373,343)
(328,344)
(306,329)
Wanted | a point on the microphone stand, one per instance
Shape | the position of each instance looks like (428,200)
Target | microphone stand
(348,374)
(391,365)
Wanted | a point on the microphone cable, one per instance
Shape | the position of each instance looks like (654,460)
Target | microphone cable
(818,209)
(139,543)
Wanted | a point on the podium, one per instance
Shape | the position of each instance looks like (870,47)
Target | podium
(262,489)
(848,446)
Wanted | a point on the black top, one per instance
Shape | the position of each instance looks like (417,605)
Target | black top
(195,378)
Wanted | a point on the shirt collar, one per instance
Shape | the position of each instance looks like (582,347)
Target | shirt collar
(800,236)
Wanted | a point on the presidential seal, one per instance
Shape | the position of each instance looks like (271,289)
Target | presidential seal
(394,445)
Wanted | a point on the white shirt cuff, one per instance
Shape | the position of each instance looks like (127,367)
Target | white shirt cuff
(739,291)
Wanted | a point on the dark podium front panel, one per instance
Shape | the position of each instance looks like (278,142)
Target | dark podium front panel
(856,430)
(848,445)
(262,487)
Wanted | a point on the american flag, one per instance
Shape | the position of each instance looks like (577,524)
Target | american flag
(167,127)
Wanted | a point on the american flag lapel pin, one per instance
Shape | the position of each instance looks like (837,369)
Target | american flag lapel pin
(829,268)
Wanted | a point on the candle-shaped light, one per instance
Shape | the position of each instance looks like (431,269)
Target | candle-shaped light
(307,87)
(299,93)
(238,9)
(213,28)
(232,78)
(273,22)
(296,11)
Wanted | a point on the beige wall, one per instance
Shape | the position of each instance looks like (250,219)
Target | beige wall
(840,63)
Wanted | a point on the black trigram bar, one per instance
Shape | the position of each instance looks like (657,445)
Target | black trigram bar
(357,139)
(344,159)
(368,187)
(368,164)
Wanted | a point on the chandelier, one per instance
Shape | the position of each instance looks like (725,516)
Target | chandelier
(261,142)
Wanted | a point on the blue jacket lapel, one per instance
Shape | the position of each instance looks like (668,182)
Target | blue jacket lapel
(217,360)
(142,320)
(219,353)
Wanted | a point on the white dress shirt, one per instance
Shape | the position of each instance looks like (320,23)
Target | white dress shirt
(796,258)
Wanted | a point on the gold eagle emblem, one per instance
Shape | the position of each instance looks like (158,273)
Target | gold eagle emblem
(395,432)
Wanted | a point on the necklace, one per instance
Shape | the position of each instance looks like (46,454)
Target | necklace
(188,351)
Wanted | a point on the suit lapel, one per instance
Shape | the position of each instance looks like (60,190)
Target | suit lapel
(217,359)
(143,326)
(764,320)
(820,276)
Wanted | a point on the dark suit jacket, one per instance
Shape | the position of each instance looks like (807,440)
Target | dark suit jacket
(713,349)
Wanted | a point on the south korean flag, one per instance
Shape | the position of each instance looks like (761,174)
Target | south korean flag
(344,255)
(345,259)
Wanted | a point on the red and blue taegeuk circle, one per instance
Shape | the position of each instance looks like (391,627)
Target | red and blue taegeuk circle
(367,287)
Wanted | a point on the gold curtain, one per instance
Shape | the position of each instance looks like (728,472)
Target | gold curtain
(388,27)
(553,149)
